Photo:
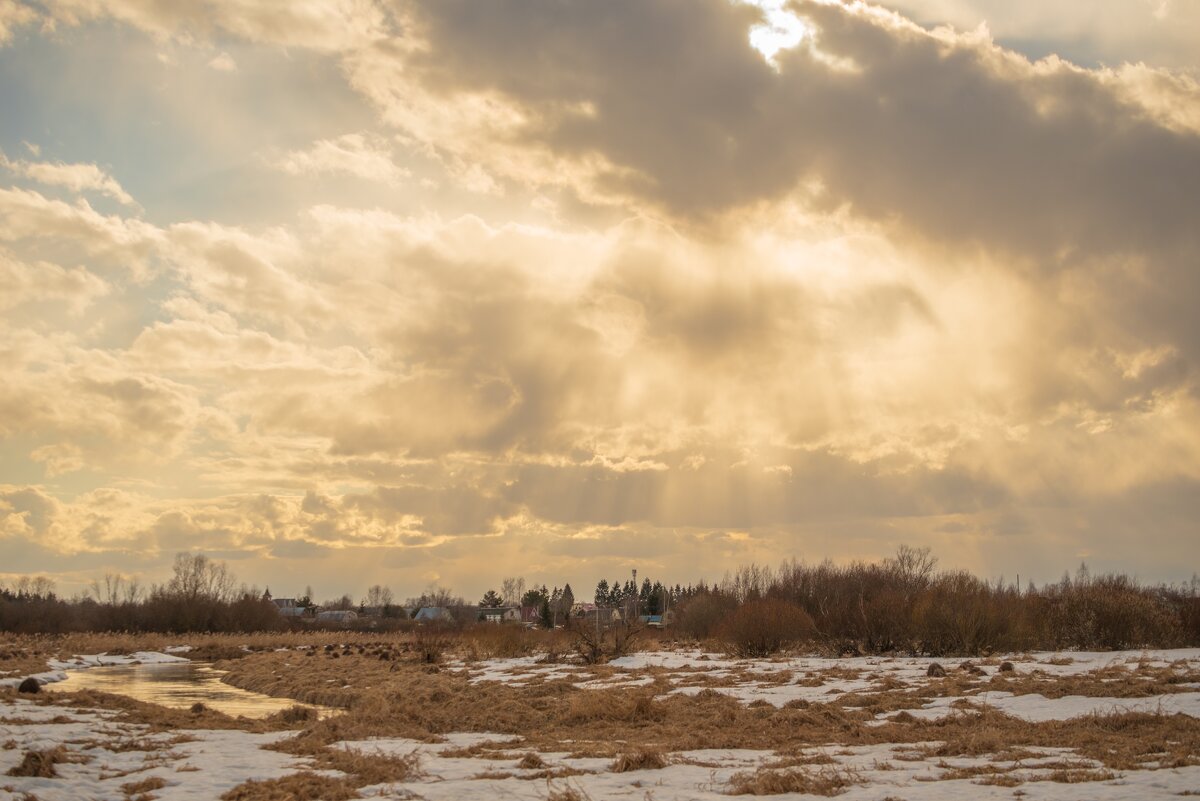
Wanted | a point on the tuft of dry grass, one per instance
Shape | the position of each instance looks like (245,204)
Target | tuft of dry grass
(827,781)
(566,792)
(295,715)
(143,790)
(364,769)
(641,759)
(304,786)
(531,761)
(40,764)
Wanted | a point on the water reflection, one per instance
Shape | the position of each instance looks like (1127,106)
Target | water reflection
(175,684)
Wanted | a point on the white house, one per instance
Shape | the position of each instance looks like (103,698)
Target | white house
(500,614)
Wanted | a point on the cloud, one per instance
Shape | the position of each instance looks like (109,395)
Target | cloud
(223,62)
(75,178)
(126,244)
(1132,31)
(356,154)
(13,15)
(22,283)
(669,301)
(328,26)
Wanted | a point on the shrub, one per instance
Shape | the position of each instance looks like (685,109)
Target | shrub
(39,764)
(699,617)
(767,781)
(761,628)
(642,759)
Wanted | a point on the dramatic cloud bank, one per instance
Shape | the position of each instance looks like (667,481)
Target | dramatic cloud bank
(439,291)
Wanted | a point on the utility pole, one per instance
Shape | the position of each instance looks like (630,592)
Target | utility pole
(635,595)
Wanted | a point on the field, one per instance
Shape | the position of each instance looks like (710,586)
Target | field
(499,714)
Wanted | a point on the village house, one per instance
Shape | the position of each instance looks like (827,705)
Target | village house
(592,613)
(289,608)
(337,616)
(500,614)
(433,614)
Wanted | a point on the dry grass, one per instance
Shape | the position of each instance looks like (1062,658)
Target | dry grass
(40,764)
(382,683)
(827,781)
(1124,741)
(641,759)
(296,787)
(364,769)
(566,792)
(396,698)
(142,791)
(1110,682)
(294,716)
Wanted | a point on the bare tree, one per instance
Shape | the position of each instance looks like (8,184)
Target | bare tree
(116,590)
(34,587)
(436,596)
(198,578)
(378,596)
(340,604)
(914,566)
(511,590)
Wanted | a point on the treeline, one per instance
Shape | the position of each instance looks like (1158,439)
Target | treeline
(202,595)
(905,605)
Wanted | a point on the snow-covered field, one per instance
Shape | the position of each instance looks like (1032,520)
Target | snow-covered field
(816,679)
(105,754)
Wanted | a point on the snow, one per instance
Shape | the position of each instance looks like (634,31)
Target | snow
(517,671)
(104,660)
(1038,709)
(214,761)
(42,678)
(877,771)
(201,769)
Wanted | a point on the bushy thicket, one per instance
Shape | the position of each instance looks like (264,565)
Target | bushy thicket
(905,605)
(56,616)
(761,627)
(199,597)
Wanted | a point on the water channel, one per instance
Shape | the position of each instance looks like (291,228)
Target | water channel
(177,685)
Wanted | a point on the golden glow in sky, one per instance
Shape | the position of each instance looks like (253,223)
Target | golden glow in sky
(392,291)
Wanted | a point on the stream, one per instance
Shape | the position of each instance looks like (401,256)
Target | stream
(177,685)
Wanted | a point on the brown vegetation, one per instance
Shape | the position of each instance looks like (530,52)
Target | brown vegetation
(40,764)
(641,759)
(304,786)
(826,781)
(904,605)
(761,628)
(143,790)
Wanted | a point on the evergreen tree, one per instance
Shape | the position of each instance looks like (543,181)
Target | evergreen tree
(535,596)
(654,600)
(491,599)
(567,601)
(602,593)
(546,619)
(555,606)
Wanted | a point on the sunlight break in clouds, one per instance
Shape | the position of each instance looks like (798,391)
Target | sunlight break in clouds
(403,291)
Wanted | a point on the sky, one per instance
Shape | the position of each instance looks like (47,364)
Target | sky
(422,292)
